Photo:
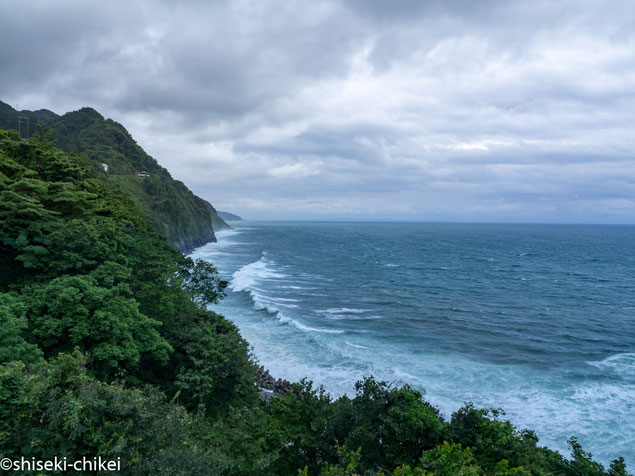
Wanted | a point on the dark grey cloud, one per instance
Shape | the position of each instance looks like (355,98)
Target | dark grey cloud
(453,110)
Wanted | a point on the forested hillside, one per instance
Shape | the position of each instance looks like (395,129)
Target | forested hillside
(95,306)
(169,206)
(12,119)
(107,349)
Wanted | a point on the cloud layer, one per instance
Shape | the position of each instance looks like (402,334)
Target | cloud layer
(459,110)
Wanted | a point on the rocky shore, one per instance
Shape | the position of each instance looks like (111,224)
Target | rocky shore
(269,386)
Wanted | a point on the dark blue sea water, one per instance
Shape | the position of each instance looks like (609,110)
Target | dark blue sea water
(536,319)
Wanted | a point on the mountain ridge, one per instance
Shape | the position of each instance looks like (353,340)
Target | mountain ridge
(228,216)
(186,220)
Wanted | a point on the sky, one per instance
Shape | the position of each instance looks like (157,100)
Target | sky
(489,111)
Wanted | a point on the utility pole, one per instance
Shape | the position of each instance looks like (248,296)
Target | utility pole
(23,120)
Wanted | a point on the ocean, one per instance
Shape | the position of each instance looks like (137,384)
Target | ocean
(538,320)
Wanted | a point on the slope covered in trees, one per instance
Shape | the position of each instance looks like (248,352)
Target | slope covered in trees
(169,206)
(94,304)
(13,119)
(107,349)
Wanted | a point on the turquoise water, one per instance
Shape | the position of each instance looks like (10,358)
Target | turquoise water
(536,319)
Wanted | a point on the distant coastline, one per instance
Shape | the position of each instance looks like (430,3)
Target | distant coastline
(228,216)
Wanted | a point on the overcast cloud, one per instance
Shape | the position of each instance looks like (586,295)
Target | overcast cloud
(438,110)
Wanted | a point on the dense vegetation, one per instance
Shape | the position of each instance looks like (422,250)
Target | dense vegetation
(12,119)
(107,349)
(167,204)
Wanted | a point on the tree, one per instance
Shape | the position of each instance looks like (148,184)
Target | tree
(57,409)
(391,425)
(13,346)
(103,321)
(203,283)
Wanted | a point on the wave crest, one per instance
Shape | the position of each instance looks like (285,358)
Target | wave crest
(251,275)
(621,364)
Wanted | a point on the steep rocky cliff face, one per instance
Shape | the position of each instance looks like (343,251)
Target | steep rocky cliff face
(170,207)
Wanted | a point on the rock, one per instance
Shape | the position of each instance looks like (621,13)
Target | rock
(266,395)
(269,386)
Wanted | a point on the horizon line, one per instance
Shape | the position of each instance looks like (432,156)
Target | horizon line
(428,222)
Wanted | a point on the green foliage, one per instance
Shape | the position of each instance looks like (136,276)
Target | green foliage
(582,462)
(348,464)
(59,410)
(302,424)
(87,272)
(169,207)
(492,440)
(392,425)
(203,283)
(13,346)
(103,320)
(249,443)
(213,368)
(618,467)
(392,430)
(444,460)
(9,119)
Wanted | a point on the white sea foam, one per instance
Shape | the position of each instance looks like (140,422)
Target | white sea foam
(402,377)
(287,320)
(213,250)
(253,273)
(357,346)
(345,313)
(619,364)
(342,310)
(269,305)
(247,279)
(251,276)
(224,234)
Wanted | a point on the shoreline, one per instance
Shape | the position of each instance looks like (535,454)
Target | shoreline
(553,406)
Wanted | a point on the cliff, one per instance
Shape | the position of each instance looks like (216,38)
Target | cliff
(168,205)
(229,216)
